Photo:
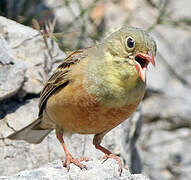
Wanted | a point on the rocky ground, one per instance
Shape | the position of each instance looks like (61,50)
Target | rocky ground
(163,148)
(96,170)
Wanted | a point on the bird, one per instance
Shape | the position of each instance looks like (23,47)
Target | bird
(94,90)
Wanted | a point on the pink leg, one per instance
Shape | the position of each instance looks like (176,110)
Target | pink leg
(108,154)
(69,159)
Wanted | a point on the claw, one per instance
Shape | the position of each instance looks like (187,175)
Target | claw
(69,159)
(113,156)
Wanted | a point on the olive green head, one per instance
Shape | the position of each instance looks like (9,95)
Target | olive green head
(131,49)
(130,40)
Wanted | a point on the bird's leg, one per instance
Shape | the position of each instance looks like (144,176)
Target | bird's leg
(96,141)
(69,159)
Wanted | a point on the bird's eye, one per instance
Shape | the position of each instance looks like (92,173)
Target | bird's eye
(130,42)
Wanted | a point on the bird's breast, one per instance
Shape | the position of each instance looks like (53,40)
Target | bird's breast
(75,110)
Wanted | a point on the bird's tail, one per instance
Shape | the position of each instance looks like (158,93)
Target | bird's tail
(31,133)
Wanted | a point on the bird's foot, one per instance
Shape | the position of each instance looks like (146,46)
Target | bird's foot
(77,161)
(113,156)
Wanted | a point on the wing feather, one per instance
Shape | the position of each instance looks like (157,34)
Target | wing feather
(59,77)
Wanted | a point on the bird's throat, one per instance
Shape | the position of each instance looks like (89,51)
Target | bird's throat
(111,85)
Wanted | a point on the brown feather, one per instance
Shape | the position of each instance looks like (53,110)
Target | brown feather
(59,77)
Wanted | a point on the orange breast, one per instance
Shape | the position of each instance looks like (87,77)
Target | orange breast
(74,110)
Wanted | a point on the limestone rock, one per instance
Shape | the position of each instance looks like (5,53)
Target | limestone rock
(11,72)
(95,171)
(27,45)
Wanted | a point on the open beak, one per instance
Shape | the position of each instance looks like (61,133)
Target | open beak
(141,62)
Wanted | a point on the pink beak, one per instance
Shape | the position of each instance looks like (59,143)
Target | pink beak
(141,62)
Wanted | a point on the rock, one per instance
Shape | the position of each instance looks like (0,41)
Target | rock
(95,170)
(19,115)
(27,45)
(131,131)
(11,72)
(165,154)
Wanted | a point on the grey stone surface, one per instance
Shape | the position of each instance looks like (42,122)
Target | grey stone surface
(131,132)
(166,154)
(95,171)
(11,72)
(27,45)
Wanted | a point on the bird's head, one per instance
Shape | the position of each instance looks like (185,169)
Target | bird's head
(133,49)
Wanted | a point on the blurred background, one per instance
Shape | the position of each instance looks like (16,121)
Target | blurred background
(156,140)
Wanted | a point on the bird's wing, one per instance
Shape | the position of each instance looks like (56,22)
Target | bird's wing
(59,77)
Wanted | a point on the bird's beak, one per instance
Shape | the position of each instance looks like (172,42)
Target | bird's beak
(141,62)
